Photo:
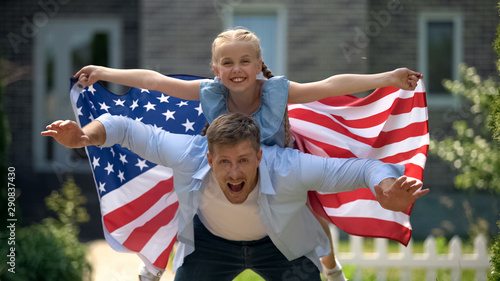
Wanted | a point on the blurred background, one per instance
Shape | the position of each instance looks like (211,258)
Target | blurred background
(43,43)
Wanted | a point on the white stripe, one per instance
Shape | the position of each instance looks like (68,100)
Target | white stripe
(357,209)
(134,188)
(418,160)
(406,145)
(358,112)
(121,234)
(361,150)
(393,122)
(160,240)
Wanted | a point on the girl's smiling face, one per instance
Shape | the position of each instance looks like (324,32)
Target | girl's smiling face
(237,66)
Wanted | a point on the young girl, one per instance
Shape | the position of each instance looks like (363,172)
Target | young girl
(236,62)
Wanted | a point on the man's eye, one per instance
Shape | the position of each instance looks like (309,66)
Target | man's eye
(224,161)
(244,160)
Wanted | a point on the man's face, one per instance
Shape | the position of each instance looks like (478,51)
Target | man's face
(235,169)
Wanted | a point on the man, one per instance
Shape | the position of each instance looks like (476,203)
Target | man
(242,206)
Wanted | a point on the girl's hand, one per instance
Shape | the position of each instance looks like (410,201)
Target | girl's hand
(404,79)
(88,75)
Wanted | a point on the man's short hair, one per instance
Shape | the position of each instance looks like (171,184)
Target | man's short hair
(232,128)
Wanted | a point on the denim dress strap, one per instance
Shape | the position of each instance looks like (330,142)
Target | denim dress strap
(269,115)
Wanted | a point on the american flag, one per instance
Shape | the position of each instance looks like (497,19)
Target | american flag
(137,201)
(391,125)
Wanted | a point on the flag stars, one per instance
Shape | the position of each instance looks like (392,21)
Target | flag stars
(150,106)
(141,164)
(182,103)
(104,106)
(144,90)
(119,102)
(169,115)
(188,125)
(200,111)
(95,162)
(123,158)
(79,111)
(101,187)
(91,89)
(109,168)
(164,98)
(134,104)
(121,176)
(138,119)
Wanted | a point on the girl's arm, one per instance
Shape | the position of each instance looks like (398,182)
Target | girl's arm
(346,84)
(141,78)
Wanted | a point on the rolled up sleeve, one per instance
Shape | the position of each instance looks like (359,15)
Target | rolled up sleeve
(339,175)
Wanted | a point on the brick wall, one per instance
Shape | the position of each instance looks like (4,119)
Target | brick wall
(15,17)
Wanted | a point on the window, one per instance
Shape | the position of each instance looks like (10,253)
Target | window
(268,22)
(440,53)
(61,49)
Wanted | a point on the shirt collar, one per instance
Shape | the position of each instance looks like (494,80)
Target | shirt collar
(266,185)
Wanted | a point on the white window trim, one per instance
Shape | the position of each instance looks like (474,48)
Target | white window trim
(281,16)
(62,161)
(440,100)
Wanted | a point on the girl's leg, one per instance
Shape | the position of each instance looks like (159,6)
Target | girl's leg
(332,270)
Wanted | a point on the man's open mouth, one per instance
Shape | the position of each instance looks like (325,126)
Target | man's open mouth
(236,187)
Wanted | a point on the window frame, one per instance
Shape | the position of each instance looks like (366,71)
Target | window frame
(230,11)
(440,100)
(62,162)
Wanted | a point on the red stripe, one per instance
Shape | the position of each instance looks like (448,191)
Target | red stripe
(414,171)
(417,129)
(407,155)
(162,260)
(350,100)
(141,235)
(135,208)
(369,227)
(399,106)
(331,150)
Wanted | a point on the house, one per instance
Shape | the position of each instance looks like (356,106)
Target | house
(304,40)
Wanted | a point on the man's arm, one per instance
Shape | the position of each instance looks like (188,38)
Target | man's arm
(399,194)
(392,189)
(154,145)
(69,134)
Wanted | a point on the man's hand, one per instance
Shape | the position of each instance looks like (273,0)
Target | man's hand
(399,194)
(67,133)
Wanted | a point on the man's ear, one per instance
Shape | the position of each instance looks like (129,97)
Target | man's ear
(259,155)
(209,158)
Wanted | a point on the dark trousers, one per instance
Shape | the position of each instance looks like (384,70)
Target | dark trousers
(218,259)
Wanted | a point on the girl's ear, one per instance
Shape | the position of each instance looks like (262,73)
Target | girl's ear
(216,70)
(259,66)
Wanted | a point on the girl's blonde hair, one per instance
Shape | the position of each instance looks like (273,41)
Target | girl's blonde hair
(243,35)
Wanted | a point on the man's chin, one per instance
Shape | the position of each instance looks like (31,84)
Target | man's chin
(235,198)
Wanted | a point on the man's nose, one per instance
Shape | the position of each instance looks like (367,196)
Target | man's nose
(234,171)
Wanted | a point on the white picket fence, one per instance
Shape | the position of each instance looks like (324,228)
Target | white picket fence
(406,260)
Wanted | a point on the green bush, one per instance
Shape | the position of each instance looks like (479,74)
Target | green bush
(472,151)
(51,250)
